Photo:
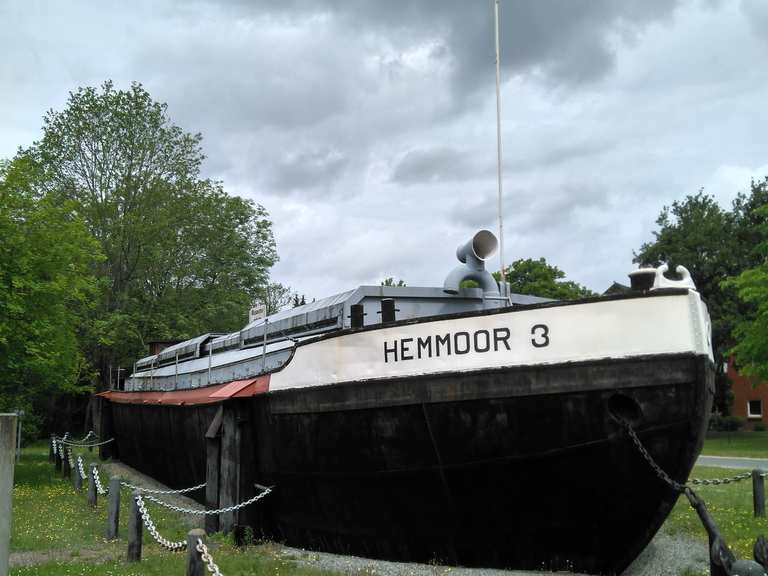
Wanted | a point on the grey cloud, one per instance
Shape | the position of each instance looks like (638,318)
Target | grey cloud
(308,170)
(431,165)
(756,13)
(569,42)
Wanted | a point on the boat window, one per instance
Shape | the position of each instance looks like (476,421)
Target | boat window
(755,409)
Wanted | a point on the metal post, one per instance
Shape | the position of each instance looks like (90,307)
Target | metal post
(758,493)
(195,564)
(264,347)
(134,530)
(7,464)
(498,137)
(113,508)
(210,359)
(92,494)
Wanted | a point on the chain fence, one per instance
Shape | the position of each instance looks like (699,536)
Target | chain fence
(146,490)
(164,542)
(266,490)
(65,450)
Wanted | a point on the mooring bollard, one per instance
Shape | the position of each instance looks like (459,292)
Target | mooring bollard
(195,564)
(7,464)
(77,480)
(134,530)
(758,492)
(113,508)
(92,494)
(66,469)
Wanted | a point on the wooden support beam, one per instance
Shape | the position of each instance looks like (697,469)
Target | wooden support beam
(230,464)
(212,466)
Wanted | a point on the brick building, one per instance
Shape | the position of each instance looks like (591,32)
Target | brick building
(749,402)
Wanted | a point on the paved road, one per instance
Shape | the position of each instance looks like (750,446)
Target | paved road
(733,462)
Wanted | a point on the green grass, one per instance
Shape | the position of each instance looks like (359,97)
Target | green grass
(230,561)
(48,514)
(730,505)
(743,443)
(53,523)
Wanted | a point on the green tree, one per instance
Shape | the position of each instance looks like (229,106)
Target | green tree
(275,297)
(538,278)
(47,285)
(389,281)
(182,256)
(750,333)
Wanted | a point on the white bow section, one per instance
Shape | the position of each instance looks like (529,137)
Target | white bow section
(662,281)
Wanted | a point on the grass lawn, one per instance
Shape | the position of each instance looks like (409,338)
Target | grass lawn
(59,535)
(742,443)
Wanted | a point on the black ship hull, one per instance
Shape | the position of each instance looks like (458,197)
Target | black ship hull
(524,467)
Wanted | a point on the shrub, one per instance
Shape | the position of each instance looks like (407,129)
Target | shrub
(725,423)
(758,427)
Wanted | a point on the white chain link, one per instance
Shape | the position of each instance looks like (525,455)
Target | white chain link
(96,480)
(207,558)
(164,542)
(69,459)
(84,445)
(81,468)
(219,511)
(153,491)
(718,481)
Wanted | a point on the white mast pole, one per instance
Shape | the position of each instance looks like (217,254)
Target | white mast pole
(498,137)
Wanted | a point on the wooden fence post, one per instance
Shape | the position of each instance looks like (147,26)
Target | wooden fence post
(7,464)
(134,530)
(57,456)
(92,493)
(66,470)
(758,493)
(195,564)
(113,508)
(77,480)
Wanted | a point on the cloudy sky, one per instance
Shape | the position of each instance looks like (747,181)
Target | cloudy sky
(367,127)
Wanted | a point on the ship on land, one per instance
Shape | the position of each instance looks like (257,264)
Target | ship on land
(461,425)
